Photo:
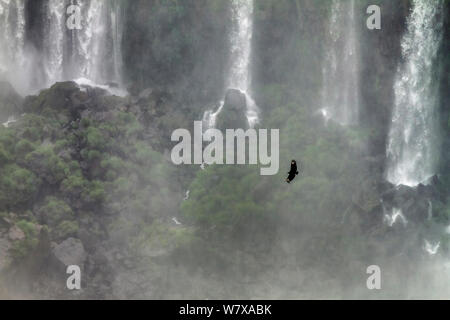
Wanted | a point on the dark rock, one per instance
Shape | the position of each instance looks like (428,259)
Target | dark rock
(112,84)
(5,222)
(5,258)
(233,113)
(15,233)
(376,164)
(57,98)
(39,256)
(70,252)
(402,194)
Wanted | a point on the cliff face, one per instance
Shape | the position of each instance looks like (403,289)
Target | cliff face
(177,44)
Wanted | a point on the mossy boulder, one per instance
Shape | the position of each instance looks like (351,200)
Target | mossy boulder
(57,98)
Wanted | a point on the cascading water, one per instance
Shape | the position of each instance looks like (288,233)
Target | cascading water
(210,116)
(12,39)
(90,55)
(340,98)
(413,137)
(239,71)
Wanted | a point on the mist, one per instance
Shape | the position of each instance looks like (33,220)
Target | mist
(91,93)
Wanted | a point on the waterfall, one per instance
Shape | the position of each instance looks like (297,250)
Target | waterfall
(12,38)
(431,248)
(340,97)
(91,54)
(239,71)
(94,50)
(241,35)
(54,41)
(210,116)
(413,138)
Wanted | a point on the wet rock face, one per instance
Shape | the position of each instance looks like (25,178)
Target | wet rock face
(5,245)
(70,252)
(10,101)
(233,114)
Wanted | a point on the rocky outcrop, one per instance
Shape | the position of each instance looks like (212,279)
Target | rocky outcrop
(16,234)
(5,257)
(233,113)
(70,101)
(381,51)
